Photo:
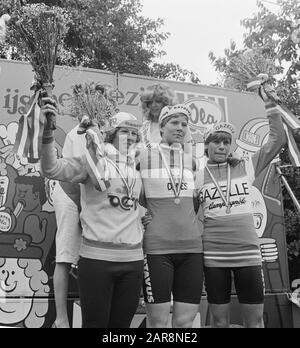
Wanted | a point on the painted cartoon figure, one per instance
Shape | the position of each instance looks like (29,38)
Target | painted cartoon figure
(4,182)
(21,275)
(269,249)
(27,225)
(29,198)
(253,135)
(7,188)
(7,140)
(7,185)
(49,189)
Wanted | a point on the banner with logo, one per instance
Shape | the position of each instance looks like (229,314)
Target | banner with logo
(27,220)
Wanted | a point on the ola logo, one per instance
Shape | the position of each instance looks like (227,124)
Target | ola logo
(205,114)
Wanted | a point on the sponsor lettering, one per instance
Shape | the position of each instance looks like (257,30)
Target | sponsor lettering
(241,201)
(147,280)
(183,187)
(15,103)
(212,193)
(224,127)
(236,190)
(206,113)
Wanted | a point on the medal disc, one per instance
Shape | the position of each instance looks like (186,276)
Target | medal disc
(177,201)
(130,202)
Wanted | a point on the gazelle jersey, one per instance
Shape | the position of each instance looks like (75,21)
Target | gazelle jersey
(230,239)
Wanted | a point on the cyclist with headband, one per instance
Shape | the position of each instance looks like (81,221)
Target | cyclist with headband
(172,240)
(231,244)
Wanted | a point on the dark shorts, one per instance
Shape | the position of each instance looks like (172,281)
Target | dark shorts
(109,292)
(177,274)
(248,281)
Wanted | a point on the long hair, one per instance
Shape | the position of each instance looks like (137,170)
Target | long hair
(159,92)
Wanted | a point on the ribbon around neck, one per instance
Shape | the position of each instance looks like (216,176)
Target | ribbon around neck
(97,165)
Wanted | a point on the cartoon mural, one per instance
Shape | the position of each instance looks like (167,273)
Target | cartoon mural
(27,234)
(21,275)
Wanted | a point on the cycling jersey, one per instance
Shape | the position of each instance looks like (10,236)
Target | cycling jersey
(230,238)
(174,227)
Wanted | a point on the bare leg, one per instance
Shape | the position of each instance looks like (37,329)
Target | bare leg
(184,315)
(220,315)
(61,282)
(253,315)
(158,315)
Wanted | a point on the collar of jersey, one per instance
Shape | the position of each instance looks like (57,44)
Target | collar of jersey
(176,146)
(217,165)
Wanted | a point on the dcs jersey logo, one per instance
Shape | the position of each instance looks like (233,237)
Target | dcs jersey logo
(125,202)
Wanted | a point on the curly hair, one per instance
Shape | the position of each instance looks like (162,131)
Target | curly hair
(157,91)
(38,280)
(38,283)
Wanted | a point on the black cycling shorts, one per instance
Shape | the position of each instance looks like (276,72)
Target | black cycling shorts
(248,282)
(177,274)
(109,292)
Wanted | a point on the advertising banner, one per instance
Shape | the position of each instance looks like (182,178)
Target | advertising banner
(27,220)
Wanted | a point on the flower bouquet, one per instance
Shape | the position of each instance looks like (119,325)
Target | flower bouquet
(37,32)
(246,66)
(3,24)
(295,37)
(92,101)
(254,71)
(94,108)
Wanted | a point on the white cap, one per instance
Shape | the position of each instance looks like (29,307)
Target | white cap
(221,127)
(124,119)
(168,111)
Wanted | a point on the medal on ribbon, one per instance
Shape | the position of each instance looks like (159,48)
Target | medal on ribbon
(226,199)
(176,188)
(125,179)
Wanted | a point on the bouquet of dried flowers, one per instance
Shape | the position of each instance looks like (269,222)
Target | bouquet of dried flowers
(93,101)
(296,32)
(94,107)
(246,66)
(37,32)
(3,24)
(254,70)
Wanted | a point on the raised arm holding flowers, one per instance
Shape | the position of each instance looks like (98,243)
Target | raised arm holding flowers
(37,32)
(254,71)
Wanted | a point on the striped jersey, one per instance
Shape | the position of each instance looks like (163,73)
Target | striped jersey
(230,239)
(174,228)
